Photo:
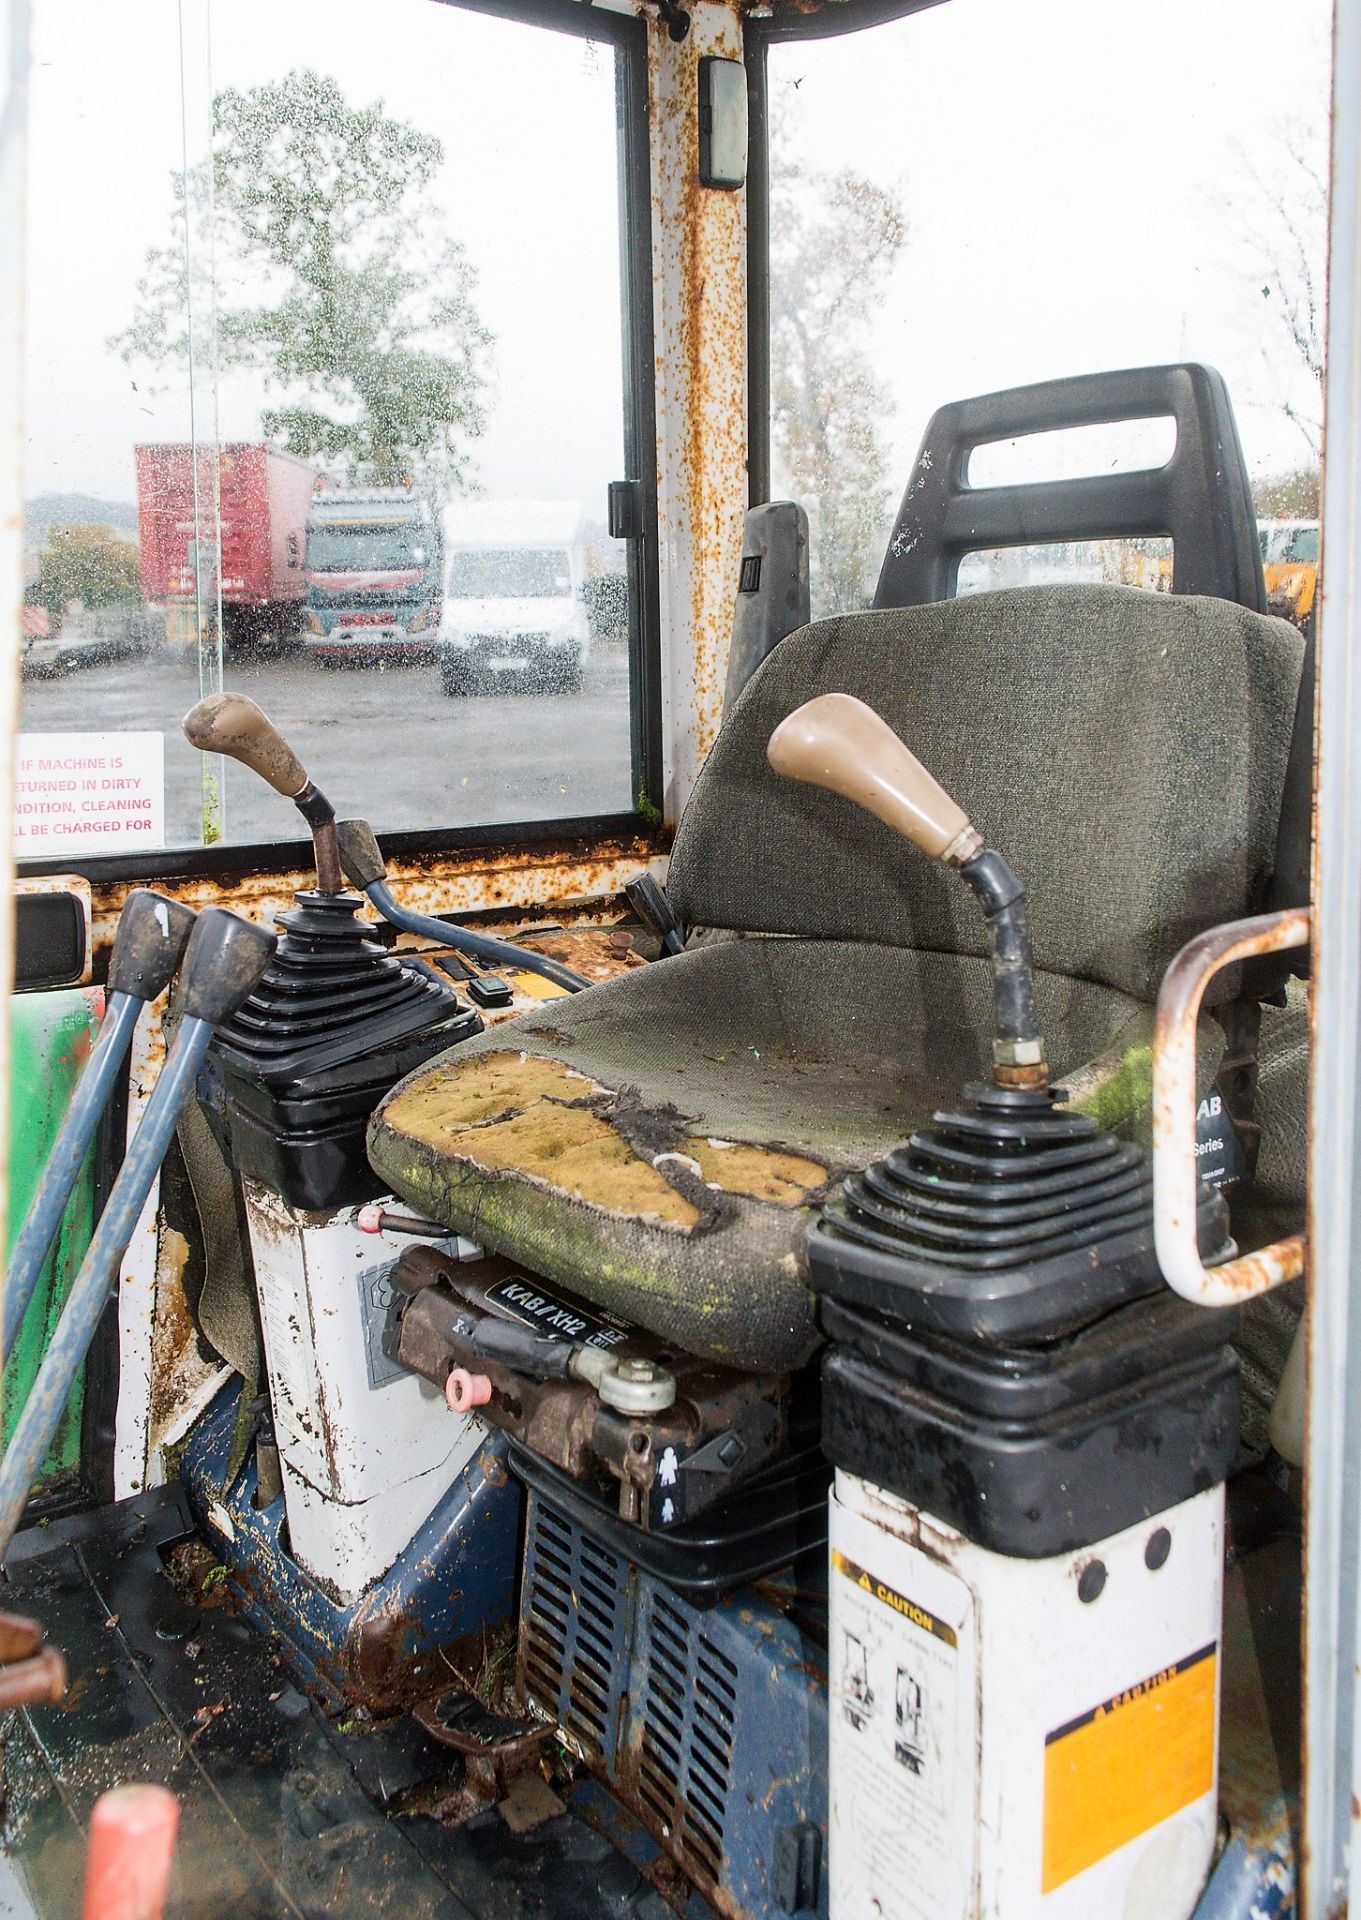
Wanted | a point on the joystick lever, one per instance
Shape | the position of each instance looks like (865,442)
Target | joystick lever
(230,724)
(837,742)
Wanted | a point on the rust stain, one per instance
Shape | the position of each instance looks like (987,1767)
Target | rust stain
(505,884)
(178,1368)
(701,326)
(593,952)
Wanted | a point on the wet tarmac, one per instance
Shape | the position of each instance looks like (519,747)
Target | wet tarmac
(380,739)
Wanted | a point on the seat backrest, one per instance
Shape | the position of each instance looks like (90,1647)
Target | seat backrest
(1125,751)
(1200,497)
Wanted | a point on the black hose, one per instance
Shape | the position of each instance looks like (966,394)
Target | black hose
(1002,898)
(463,940)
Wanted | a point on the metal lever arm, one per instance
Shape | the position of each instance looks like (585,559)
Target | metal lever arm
(1175,1172)
(837,742)
(151,937)
(224,961)
(362,859)
(230,724)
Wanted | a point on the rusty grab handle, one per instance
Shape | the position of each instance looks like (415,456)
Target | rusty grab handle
(1175,1172)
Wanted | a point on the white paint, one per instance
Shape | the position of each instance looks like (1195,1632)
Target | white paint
(89,792)
(364,1464)
(963,1837)
(1331,1840)
(137,1284)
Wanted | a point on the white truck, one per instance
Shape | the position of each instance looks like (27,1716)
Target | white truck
(514,609)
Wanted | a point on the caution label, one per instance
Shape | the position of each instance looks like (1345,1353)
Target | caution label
(1136,1759)
(919,1616)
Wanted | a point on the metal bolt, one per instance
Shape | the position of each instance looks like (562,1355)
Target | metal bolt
(1091,1582)
(1156,1551)
(641,1373)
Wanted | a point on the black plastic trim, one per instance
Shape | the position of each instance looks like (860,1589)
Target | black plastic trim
(833,19)
(758,267)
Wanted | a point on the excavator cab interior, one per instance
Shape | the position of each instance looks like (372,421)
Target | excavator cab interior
(784,1396)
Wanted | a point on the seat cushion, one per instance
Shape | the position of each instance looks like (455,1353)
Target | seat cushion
(1126,751)
(656,1144)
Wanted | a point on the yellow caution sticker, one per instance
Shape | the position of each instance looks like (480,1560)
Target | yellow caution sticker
(1134,1760)
(909,1609)
(536,987)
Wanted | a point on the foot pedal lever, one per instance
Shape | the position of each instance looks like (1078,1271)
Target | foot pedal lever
(495,1748)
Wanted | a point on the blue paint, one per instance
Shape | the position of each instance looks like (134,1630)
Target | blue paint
(457,1577)
(90,1290)
(711,1723)
(1255,1877)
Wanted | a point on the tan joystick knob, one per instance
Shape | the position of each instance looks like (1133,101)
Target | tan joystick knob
(837,742)
(230,724)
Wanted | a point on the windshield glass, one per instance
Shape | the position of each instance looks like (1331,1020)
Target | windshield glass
(523,573)
(1303,546)
(217,399)
(366,549)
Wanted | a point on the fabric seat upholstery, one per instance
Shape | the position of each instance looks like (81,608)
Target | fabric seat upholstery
(655,1144)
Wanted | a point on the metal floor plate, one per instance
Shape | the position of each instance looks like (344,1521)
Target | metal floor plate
(282,1813)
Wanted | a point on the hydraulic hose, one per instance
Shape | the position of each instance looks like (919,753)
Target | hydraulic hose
(362,860)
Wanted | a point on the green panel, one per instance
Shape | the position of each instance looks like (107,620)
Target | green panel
(50,1040)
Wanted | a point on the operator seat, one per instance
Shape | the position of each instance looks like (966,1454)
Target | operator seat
(655,1144)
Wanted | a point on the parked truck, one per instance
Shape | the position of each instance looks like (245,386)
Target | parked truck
(374,572)
(263,497)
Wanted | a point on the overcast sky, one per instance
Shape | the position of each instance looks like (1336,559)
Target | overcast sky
(1075,178)
(527,120)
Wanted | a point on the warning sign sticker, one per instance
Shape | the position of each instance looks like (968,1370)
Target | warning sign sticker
(96,792)
(1132,1761)
(896,1698)
(891,1598)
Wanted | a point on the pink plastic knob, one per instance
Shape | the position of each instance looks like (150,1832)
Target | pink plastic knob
(464,1390)
(369,1219)
(132,1845)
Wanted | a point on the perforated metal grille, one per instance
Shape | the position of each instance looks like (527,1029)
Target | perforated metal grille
(689,1717)
(572,1656)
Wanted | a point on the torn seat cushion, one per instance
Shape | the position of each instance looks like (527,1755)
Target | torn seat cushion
(656,1144)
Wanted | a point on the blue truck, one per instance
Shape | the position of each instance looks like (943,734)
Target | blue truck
(374,571)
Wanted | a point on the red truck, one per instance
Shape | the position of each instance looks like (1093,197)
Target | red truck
(264,496)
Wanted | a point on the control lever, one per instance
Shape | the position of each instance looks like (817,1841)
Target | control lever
(224,961)
(151,937)
(364,865)
(837,742)
(230,724)
(654,910)
(632,1386)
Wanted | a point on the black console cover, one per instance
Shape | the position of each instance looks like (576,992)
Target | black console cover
(1042,1449)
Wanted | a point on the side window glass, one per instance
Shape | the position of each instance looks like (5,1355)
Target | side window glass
(951,216)
(323,407)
